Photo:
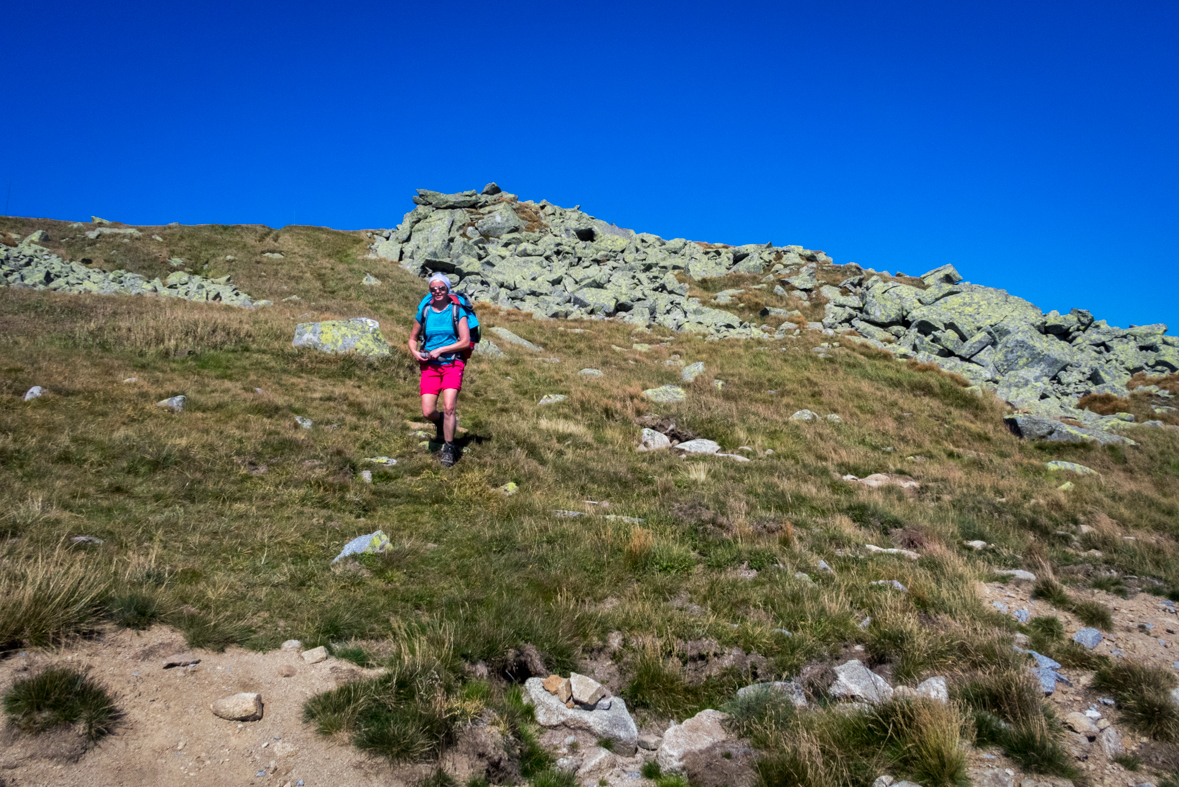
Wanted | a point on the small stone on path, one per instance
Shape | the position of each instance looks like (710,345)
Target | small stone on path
(315,655)
(287,671)
(239,707)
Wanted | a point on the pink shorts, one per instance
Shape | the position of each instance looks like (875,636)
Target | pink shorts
(436,378)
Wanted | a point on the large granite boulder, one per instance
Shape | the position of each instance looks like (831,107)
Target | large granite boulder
(358,335)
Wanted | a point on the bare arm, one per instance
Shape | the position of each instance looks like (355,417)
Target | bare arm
(413,342)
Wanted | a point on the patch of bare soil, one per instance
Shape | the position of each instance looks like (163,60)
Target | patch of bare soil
(168,734)
(1144,630)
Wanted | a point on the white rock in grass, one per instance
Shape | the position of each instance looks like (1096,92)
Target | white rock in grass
(175,402)
(701,732)
(738,457)
(591,373)
(552,399)
(699,446)
(882,551)
(854,681)
(366,476)
(690,372)
(805,415)
(933,689)
(33,392)
(304,422)
(654,441)
(1089,638)
(291,645)
(976,544)
(239,707)
(789,689)
(1017,574)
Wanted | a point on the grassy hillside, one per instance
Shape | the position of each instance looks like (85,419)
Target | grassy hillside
(222,520)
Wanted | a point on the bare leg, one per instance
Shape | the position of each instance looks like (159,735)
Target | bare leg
(449,415)
(430,407)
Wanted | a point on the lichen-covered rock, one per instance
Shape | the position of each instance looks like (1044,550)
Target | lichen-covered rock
(666,394)
(358,335)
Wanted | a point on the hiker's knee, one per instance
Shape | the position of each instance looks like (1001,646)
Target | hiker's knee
(448,409)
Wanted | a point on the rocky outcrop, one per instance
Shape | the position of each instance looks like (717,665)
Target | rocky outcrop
(34,267)
(1038,362)
(559,262)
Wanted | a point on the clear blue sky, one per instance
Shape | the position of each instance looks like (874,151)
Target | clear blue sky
(1034,145)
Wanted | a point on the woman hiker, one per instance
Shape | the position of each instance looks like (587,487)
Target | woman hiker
(441,361)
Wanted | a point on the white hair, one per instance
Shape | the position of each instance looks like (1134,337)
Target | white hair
(440,277)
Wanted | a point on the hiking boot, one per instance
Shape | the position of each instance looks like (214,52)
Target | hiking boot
(449,455)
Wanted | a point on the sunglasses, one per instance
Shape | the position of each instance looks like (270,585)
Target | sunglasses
(437,289)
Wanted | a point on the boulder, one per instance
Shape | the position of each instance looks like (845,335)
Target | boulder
(698,446)
(789,689)
(946,274)
(499,221)
(1031,427)
(690,372)
(1111,743)
(697,734)
(614,723)
(358,335)
(175,403)
(932,689)
(854,681)
(1071,467)
(369,544)
(666,394)
(654,441)
(1088,637)
(239,707)
(1080,723)
(34,392)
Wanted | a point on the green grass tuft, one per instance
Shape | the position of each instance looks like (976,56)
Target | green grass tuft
(134,610)
(1143,693)
(59,696)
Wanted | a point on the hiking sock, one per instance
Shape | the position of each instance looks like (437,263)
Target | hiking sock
(439,437)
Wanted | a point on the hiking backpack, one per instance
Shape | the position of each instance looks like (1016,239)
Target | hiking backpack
(460,306)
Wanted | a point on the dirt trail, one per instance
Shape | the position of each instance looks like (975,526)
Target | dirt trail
(169,735)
